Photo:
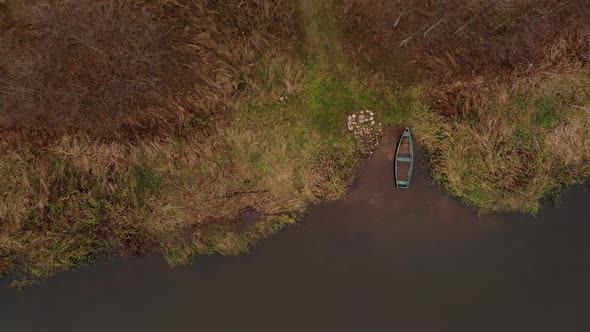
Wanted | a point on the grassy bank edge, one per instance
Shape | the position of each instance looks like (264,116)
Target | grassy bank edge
(280,150)
(527,143)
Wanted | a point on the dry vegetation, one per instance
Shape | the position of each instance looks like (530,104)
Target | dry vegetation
(516,150)
(468,48)
(119,70)
(129,126)
(508,88)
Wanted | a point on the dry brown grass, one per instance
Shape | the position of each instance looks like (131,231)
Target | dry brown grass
(121,70)
(175,167)
(118,128)
(468,47)
(80,199)
(5,17)
(569,143)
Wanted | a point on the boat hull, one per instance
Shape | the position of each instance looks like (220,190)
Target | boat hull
(404,160)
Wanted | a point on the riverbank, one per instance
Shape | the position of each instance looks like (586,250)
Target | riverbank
(508,104)
(380,258)
(238,123)
(267,137)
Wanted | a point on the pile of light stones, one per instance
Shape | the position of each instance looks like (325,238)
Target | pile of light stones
(366,131)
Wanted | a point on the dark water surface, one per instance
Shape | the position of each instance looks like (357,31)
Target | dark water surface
(380,260)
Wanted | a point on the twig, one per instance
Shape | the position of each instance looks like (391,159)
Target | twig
(552,11)
(583,108)
(405,42)
(498,27)
(464,25)
(432,27)
(399,18)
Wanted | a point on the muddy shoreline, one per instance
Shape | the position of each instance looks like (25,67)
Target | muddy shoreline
(379,260)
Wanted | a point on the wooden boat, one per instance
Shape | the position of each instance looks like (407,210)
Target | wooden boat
(404,160)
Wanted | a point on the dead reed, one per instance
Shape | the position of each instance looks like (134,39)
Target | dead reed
(122,70)
(126,126)
(469,47)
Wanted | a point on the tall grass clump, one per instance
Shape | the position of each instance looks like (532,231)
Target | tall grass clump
(514,151)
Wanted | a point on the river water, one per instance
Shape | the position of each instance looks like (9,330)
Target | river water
(380,260)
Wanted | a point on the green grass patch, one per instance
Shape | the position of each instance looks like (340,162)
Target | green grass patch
(546,113)
(147,181)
